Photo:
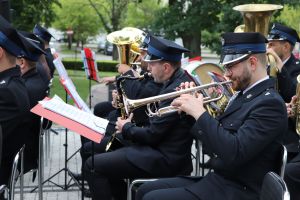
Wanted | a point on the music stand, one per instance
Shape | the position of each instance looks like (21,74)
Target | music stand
(91,70)
(70,90)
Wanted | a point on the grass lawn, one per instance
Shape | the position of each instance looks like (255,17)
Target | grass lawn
(80,81)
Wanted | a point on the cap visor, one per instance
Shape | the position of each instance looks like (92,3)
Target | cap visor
(232,58)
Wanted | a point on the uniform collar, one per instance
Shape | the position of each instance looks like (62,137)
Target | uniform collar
(29,73)
(177,73)
(14,71)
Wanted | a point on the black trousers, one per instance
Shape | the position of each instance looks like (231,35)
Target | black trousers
(292,177)
(102,109)
(106,179)
(166,189)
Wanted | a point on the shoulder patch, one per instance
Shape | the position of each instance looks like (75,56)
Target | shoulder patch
(267,93)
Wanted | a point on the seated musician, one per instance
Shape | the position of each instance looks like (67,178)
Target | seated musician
(292,169)
(161,149)
(133,89)
(37,90)
(245,140)
(14,101)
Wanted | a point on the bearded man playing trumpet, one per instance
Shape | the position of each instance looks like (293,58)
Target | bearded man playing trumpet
(161,149)
(245,139)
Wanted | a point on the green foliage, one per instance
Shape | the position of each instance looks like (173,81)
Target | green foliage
(141,15)
(290,16)
(77,15)
(27,13)
(103,66)
(79,80)
(229,19)
(186,19)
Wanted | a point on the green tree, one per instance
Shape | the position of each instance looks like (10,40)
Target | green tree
(27,13)
(187,19)
(76,15)
(229,19)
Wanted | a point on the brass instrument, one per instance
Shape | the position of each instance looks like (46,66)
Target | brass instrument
(114,142)
(130,104)
(256,19)
(297,106)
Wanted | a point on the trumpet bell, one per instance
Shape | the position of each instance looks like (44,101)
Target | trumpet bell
(201,69)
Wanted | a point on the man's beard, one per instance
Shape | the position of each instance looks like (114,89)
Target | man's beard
(242,82)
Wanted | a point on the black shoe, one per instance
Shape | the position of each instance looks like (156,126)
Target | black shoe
(77,176)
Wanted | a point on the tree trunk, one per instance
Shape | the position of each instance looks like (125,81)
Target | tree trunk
(193,43)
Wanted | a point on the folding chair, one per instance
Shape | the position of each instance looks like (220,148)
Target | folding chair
(131,184)
(283,160)
(274,188)
(15,174)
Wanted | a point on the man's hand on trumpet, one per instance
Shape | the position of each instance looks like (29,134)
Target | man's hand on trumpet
(190,104)
(290,107)
(121,122)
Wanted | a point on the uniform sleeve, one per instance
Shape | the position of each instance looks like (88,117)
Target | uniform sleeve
(266,122)
(287,84)
(155,132)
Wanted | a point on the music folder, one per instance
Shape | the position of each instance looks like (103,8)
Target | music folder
(68,116)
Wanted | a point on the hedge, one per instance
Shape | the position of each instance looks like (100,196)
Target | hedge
(103,66)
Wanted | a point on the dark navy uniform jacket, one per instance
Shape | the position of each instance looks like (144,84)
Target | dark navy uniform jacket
(245,141)
(164,147)
(14,106)
(287,81)
(37,90)
(138,89)
(49,59)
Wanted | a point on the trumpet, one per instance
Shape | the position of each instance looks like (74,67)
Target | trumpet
(130,104)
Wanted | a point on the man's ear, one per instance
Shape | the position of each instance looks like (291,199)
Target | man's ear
(253,62)
(167,66)
(1,52)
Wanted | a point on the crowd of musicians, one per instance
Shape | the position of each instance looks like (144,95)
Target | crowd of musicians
(243,142)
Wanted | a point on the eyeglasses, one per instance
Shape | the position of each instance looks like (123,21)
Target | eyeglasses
(228,67)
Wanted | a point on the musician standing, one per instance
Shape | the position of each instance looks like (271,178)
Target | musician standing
(245,139)
(160,149)
(14,102)
(37,90)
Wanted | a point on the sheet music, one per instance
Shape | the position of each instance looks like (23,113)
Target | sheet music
(90,64)
(68,83)
(89,120)
(62,72)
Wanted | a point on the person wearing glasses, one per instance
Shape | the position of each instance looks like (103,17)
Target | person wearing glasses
(245,140)
(160,149)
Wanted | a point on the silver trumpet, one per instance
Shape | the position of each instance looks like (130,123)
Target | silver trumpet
(130,104)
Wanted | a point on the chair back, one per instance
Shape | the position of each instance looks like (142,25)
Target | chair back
(282,161)
(14,176)
(274,188)
(0,144)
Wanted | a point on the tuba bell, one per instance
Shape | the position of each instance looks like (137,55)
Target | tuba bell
(256,19)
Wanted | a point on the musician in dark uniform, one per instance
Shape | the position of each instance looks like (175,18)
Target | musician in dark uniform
(161,149)
(37,90)
(45,36)
(282,40)
(133,89)
(14,102)
(245,139)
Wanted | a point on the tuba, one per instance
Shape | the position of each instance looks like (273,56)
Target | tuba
(256,19)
